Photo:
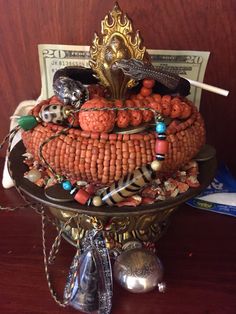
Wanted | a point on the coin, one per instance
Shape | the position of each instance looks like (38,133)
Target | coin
(132,130)
(207,152)
(56,193)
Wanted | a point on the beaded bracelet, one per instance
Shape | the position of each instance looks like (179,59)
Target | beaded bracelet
(58,113)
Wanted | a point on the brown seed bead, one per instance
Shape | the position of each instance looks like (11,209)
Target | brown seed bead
(89,146)
(101,145)
(112,169)
(113,156)
(105,179)
(138,162)
(124,147)
(136,136)
(82,161)
(86,134)
(118,163)
(99,161)
(125,137)
(88,154)
(125,154)
(112,149)
(68,140)
(131,167)
(112,137)
(83,153)
(72,150)
(104,136)
(77,132)
(106,163)
(118,144)
(88,160)
(87,167)
(71,158)
(132,155)
(71,166)
(144,159)
(131,149)
(112,162)
(106,171)
(95,135)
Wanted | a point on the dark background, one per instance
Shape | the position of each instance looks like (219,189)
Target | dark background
(176,24)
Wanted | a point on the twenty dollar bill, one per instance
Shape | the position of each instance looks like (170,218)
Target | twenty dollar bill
(189,64)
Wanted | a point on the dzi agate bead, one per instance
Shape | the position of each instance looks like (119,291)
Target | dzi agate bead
(55,113)
(128,185)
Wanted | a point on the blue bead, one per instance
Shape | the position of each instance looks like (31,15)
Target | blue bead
(66,185)
(160,127)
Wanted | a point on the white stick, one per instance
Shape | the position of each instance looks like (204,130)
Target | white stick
(210,88)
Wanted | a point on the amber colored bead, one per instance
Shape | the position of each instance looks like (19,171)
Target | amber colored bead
(161,147)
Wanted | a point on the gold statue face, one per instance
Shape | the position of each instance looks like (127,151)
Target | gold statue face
(117,41)
(116,50)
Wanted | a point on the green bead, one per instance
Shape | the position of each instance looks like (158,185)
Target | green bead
(27,122)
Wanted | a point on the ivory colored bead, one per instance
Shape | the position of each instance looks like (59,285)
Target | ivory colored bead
(156,165)
(97,201)
(33,175)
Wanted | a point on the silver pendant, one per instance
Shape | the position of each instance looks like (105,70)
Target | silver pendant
(139,270)
(84,295)
(89,285)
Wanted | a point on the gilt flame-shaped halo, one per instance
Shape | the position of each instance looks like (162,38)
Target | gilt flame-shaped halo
(117,41)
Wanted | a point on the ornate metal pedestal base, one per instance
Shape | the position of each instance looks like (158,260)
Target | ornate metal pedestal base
(118,229)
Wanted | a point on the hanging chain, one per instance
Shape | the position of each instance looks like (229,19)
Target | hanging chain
(36,206)
(10,136)
(52,255)
(74,269)
(64,131)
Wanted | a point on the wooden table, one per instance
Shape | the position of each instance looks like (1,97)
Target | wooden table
(198,253)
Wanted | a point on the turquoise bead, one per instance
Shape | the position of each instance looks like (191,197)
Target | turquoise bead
(67,185)
(160,127)
(27,122)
